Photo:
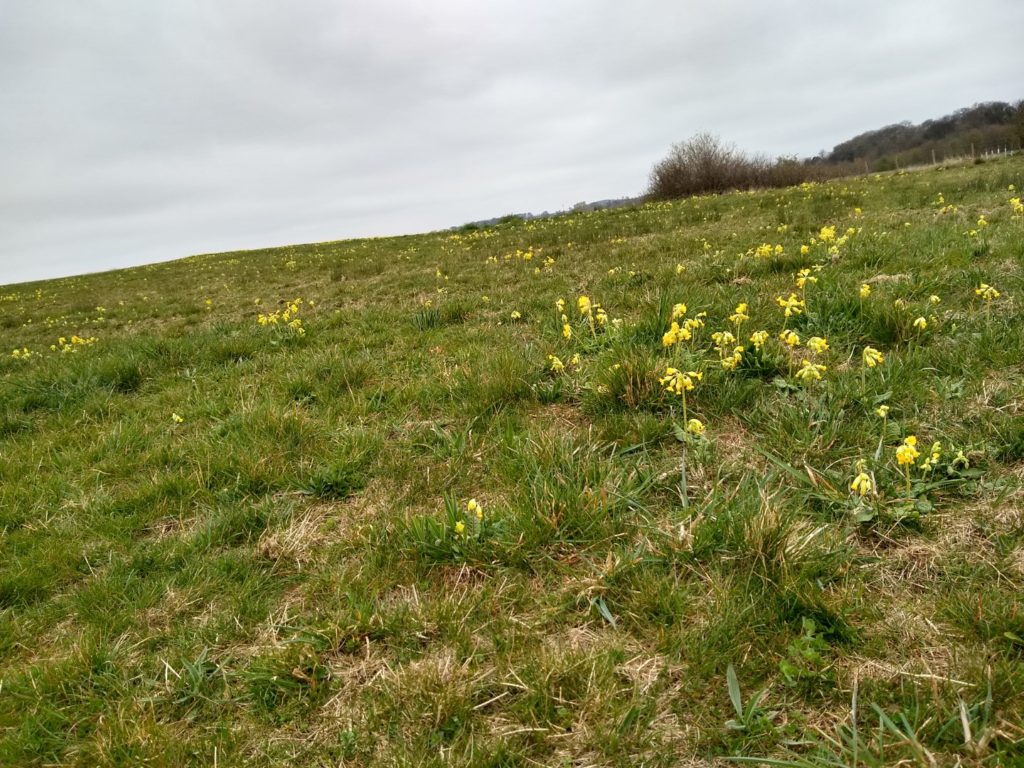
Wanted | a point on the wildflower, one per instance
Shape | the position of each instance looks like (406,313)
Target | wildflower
(810,371)
(601,316)
(722,339)
(827,234)
(907,453)
(516,315)
(555,365)
(680,269)
(882,411)
(817,344)
(862,484)
(921,324)
(675,334)
(695,323)
(982,222)
(987,292)
(176,418)
(575,359)
(460,528)
(567,331)
(583,304)
(676,382)
(857,211)
(560,306)
(900,304)
(732,361)
(789,338)
(475,508)
(865,290)
(803,277)
(928,464)
(678,311)
(933,299)
(758,339)
(695,427)
(740,316)
(872,357)
(1017,206)
(804,250)
(790,306)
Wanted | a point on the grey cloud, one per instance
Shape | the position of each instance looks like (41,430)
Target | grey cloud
(137,131)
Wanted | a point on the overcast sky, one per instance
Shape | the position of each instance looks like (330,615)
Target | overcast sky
(134,131)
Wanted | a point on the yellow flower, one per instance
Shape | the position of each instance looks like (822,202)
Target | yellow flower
(722,339)
(804,250)
(583,304)
(921,324)
(987,292)
(935,454)
(934,299)
(555,365)
(817,344)
(907,453)
(460,528)
(680,269)
(810,371)
(601,316)
(567,331)
(803,277)
(516,314)
(872,357)
(862,484)
(560,306)
(474,508)
(758,339)
(176,418)
(740,316)
(730,363)
(827,234)
(865,290)
(678,311)
(675,334)
(789,338)
(882,411)
(695,427)
(790,306)
(676,382)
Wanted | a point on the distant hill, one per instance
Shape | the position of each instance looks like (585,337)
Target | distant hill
(992,126)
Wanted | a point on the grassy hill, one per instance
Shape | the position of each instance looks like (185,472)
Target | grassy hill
(364,502)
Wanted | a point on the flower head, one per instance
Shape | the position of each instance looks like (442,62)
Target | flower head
(695,427)
(758,339)
(862,484)
(678,311)
(987,292)
(872,357)
(789,338)
(676,382)
(475,508)
(583,304)
(810,371)
(555,365)
(817,344)
(921,324)
(865,290)
(907,453)
(882,411)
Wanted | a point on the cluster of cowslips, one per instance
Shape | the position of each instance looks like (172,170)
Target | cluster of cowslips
(682,328)
(73,344)
(22,354)
(1016,206)
(729,359)
(286,318)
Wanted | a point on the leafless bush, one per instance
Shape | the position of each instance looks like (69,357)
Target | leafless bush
(704,164)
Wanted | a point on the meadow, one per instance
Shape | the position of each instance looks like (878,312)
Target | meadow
(421,500)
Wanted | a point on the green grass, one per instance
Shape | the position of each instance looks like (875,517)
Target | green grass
(287,574)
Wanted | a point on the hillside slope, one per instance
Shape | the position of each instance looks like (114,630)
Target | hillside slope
(377,502)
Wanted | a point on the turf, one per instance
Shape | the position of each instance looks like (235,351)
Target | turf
(234,541)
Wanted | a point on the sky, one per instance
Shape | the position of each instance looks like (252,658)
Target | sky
(135,131)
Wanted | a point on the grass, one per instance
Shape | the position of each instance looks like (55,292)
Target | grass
(227,542)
